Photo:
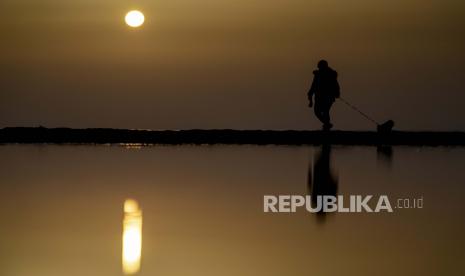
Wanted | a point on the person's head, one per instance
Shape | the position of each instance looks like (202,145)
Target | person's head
(322,64)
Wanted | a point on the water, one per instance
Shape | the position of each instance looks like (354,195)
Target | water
(62,210)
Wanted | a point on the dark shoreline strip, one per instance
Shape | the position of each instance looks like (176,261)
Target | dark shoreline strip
(29,135)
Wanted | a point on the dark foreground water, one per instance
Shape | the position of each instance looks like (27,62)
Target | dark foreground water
(61,210)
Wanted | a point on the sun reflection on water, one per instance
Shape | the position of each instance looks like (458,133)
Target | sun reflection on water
(132,237)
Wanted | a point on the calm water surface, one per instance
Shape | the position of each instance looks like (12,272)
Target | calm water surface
(202,208)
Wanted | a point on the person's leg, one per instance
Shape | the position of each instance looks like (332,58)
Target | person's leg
(318,111)
(325,116)
(322,111)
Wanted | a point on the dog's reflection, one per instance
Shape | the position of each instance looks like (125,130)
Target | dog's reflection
(384,155)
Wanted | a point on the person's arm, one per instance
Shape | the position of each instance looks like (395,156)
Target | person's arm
(312,90)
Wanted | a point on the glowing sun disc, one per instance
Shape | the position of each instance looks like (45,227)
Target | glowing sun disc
(134,18)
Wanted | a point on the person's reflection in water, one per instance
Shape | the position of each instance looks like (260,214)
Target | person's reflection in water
(321,178)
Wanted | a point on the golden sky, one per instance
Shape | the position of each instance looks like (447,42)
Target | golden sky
(241,64)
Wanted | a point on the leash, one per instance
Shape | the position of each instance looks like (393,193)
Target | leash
(358,110)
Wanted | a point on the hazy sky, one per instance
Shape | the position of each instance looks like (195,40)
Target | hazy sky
(240,64)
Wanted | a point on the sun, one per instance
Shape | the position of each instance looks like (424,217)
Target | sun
(134,18)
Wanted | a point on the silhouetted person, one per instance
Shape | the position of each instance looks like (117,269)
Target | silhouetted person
(326,89)
(321,180)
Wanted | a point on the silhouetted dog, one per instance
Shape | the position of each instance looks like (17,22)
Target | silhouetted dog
(386,127)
